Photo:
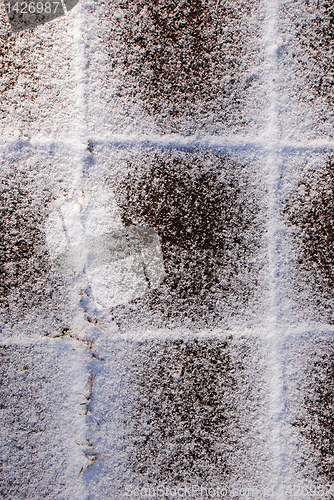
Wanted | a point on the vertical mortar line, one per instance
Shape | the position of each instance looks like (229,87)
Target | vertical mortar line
(80,127)
(271,140)
(78,55)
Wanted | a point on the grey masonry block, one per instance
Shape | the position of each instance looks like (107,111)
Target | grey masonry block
(40,421)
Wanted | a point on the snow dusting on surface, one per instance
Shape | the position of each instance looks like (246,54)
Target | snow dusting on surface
(166,254)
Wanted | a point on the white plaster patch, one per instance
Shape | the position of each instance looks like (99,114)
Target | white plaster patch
(85,235)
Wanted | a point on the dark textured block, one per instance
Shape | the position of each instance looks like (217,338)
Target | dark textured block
(190,67)
(175,412)
(305,58)
(186,418)
(206,212)
(313,420)
(37,410)
(309,212)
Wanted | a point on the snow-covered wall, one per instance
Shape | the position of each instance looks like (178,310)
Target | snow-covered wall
(166,251)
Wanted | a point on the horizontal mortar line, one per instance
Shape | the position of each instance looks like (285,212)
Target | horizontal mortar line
(209,141)
(287,332)
(14,340)
(233,142)
(313,145)
(139,336)
(306,329)
(181,141)
(123,140)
